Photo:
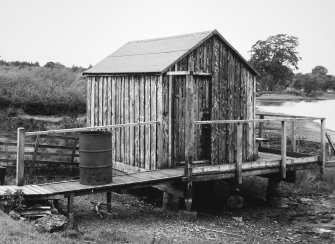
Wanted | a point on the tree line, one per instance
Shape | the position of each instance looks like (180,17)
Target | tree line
(276,59)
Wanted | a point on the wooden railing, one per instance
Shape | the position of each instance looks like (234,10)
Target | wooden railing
(239,125)
(22,134)
(39,150)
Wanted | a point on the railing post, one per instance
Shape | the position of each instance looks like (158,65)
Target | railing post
(260,130)
(283,149)
(293,139)
(20,156)
(323,146)
(239,152)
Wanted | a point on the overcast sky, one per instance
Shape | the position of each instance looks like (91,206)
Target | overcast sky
(82,32)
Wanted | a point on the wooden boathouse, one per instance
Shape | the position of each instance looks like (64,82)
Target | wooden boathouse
(180,110)
(175,80)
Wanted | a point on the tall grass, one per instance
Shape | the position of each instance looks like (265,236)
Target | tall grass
(41,90)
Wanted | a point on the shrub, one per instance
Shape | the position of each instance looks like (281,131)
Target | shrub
(317,93)
(41,90)
(293,91)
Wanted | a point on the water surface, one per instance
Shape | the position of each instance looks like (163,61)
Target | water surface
(324,108)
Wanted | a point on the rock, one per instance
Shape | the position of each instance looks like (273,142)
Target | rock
(235,202)
(51,223)
(239,219)
(14,215)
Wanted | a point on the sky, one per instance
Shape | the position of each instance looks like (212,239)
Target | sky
(83,32)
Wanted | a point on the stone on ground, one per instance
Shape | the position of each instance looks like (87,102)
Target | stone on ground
(51,223)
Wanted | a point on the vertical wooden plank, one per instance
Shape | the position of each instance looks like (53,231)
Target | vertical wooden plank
(293,139)
(189,118)
(215,102)
(88,101)
(142,117)
(109,100)
(21,135)
(35,151)
(153,118)
(96,101)
(105,101)
(255,154)
(181,114)
(196,83)
(126,119)
(229,106)
(70,200)
(117,119)
(137,119)
(122,113)
(132,120)
(165,91)
(113,110)
(249,116)
(92,100)
(283,149)
(159,111)
(147,160)
(101,87)
(222,108)
(323,146)
(74,148)
(171,163)
(176,99)
(239,153)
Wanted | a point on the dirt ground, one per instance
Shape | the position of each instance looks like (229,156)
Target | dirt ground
(139,219)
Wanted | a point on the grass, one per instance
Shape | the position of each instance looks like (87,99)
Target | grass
(12,231)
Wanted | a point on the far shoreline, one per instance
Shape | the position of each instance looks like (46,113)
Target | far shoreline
(277,97)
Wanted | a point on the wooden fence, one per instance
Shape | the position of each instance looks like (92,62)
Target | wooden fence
(41,151)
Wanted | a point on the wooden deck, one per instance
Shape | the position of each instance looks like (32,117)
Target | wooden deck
(267,163)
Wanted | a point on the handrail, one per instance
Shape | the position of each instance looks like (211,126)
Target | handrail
(270,114)
(90,128)
(206,122)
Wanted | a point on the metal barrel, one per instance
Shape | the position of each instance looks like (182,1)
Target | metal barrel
(95,156)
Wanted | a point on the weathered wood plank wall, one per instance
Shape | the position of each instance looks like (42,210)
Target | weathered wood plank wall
(232,96)
(127,99)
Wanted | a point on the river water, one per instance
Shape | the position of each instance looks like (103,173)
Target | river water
(324,108)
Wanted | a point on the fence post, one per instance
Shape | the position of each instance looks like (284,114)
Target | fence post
(20,156)
(74,147)
(239,152)
(323,146)
(294,143)
(283,149)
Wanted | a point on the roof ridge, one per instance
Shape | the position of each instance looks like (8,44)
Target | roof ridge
(173,37)
(137,54)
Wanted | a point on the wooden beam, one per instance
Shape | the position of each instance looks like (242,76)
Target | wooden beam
(178,73)
(109,201)
(283,149)
(323,145)
(20,156)
(239,153)
(261,124)
(160,128)
(70,200)
(171,73)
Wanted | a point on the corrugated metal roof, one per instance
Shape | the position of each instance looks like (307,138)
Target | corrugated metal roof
(150,56)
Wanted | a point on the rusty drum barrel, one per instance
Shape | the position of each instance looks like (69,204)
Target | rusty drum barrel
(95,156)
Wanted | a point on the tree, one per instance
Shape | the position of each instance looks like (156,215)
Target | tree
(320,70)
(275,58)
